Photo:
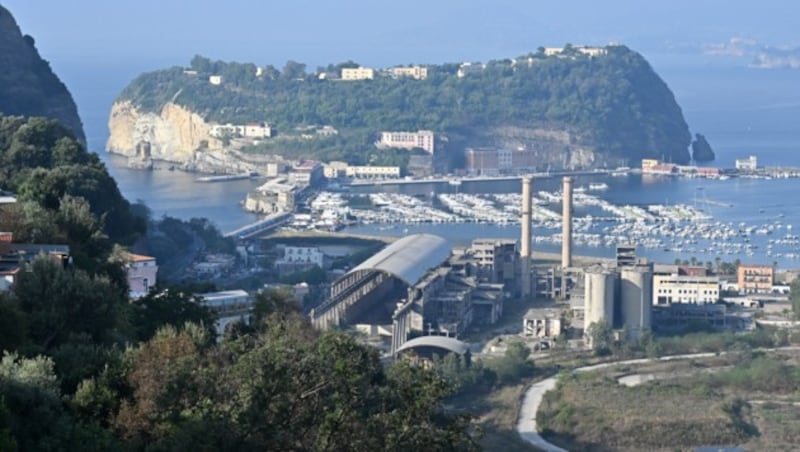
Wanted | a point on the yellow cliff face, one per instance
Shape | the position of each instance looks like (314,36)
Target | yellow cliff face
(173,135)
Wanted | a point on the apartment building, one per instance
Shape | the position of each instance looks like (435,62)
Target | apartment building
(423,139)
(358,73)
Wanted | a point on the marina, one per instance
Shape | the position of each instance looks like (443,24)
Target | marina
(697,229)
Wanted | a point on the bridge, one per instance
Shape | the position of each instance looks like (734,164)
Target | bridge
(260,227)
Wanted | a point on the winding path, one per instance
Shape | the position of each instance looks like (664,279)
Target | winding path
(526,423)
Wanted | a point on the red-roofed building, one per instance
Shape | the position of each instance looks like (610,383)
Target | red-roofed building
(141,272)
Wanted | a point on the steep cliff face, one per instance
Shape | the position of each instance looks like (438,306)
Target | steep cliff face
(28,87)
(174,134)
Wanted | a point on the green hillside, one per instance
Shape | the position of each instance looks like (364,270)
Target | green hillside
(613,103)
(28,86)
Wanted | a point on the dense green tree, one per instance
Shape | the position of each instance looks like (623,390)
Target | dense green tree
(62,302)
(165,307)
(795,297)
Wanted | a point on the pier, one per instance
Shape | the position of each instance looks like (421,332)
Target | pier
(460,180)
(259,227)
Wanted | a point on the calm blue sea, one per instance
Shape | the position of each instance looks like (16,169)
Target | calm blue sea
(740,110)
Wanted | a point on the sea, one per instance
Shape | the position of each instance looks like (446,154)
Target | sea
(741,110)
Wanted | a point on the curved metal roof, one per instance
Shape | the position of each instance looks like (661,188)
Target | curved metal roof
(409,258)
(443,342)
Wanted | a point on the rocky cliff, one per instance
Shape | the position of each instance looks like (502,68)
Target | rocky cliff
(174,134)
(28,87)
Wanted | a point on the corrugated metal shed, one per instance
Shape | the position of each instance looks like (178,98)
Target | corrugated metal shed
(409,258)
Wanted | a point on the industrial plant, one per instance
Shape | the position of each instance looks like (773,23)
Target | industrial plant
(421,287)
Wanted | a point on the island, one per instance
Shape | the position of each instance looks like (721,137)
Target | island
(571,107)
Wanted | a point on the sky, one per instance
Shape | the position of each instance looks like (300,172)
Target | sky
(98,46)
(379,32)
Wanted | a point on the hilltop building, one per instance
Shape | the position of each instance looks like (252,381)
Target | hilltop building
(15,256)
(423,139)
(215,80)
(469,68)
(358,73)
(415,72)
(250,130)
(585,50)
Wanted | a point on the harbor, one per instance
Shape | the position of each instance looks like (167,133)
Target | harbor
(695,229)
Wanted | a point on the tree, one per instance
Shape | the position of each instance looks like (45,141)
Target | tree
(601,337)
(161,308)
(61,303)
(795,297)
(293,70)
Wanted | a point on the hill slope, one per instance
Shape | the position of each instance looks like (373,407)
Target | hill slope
(580,111)
(28,86)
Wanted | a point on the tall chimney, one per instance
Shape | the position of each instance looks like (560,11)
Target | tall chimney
(566,231)
(525,240)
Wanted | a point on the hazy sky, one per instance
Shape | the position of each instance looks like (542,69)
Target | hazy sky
(377,32)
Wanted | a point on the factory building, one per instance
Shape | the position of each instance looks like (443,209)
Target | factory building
(622,297)
(683,284)
(497,261)
(415,285)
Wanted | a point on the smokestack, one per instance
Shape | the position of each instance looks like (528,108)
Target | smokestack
(525,242)
(566,232)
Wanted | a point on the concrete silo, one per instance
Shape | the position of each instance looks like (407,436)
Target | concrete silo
(599,290)
(636,297)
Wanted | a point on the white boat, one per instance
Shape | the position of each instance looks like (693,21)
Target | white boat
(598,186)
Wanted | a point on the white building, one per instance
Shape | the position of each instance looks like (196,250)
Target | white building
(748,164)
(251,130)
(215,79)
(358,73)
(302,255)
(469,68)
(141,273)
(415,72)
(423,139)
(678,284)
(585,50)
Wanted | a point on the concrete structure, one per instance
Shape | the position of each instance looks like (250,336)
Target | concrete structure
(141,272)
(754,278)
(215,79)
(275,196)
(566,229)
(229,306)
(423,139)
(584,50)
(358,73)
(497,261)
(250,130)
(626,255)
(274,169)
(600,289)
(384,277)
(14,257)
(748,164)
(525,239)
(545,323)
(335,170)
(415,72)
(680,284)
(636,299)
(495,162)
(308,173)
(299,258)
